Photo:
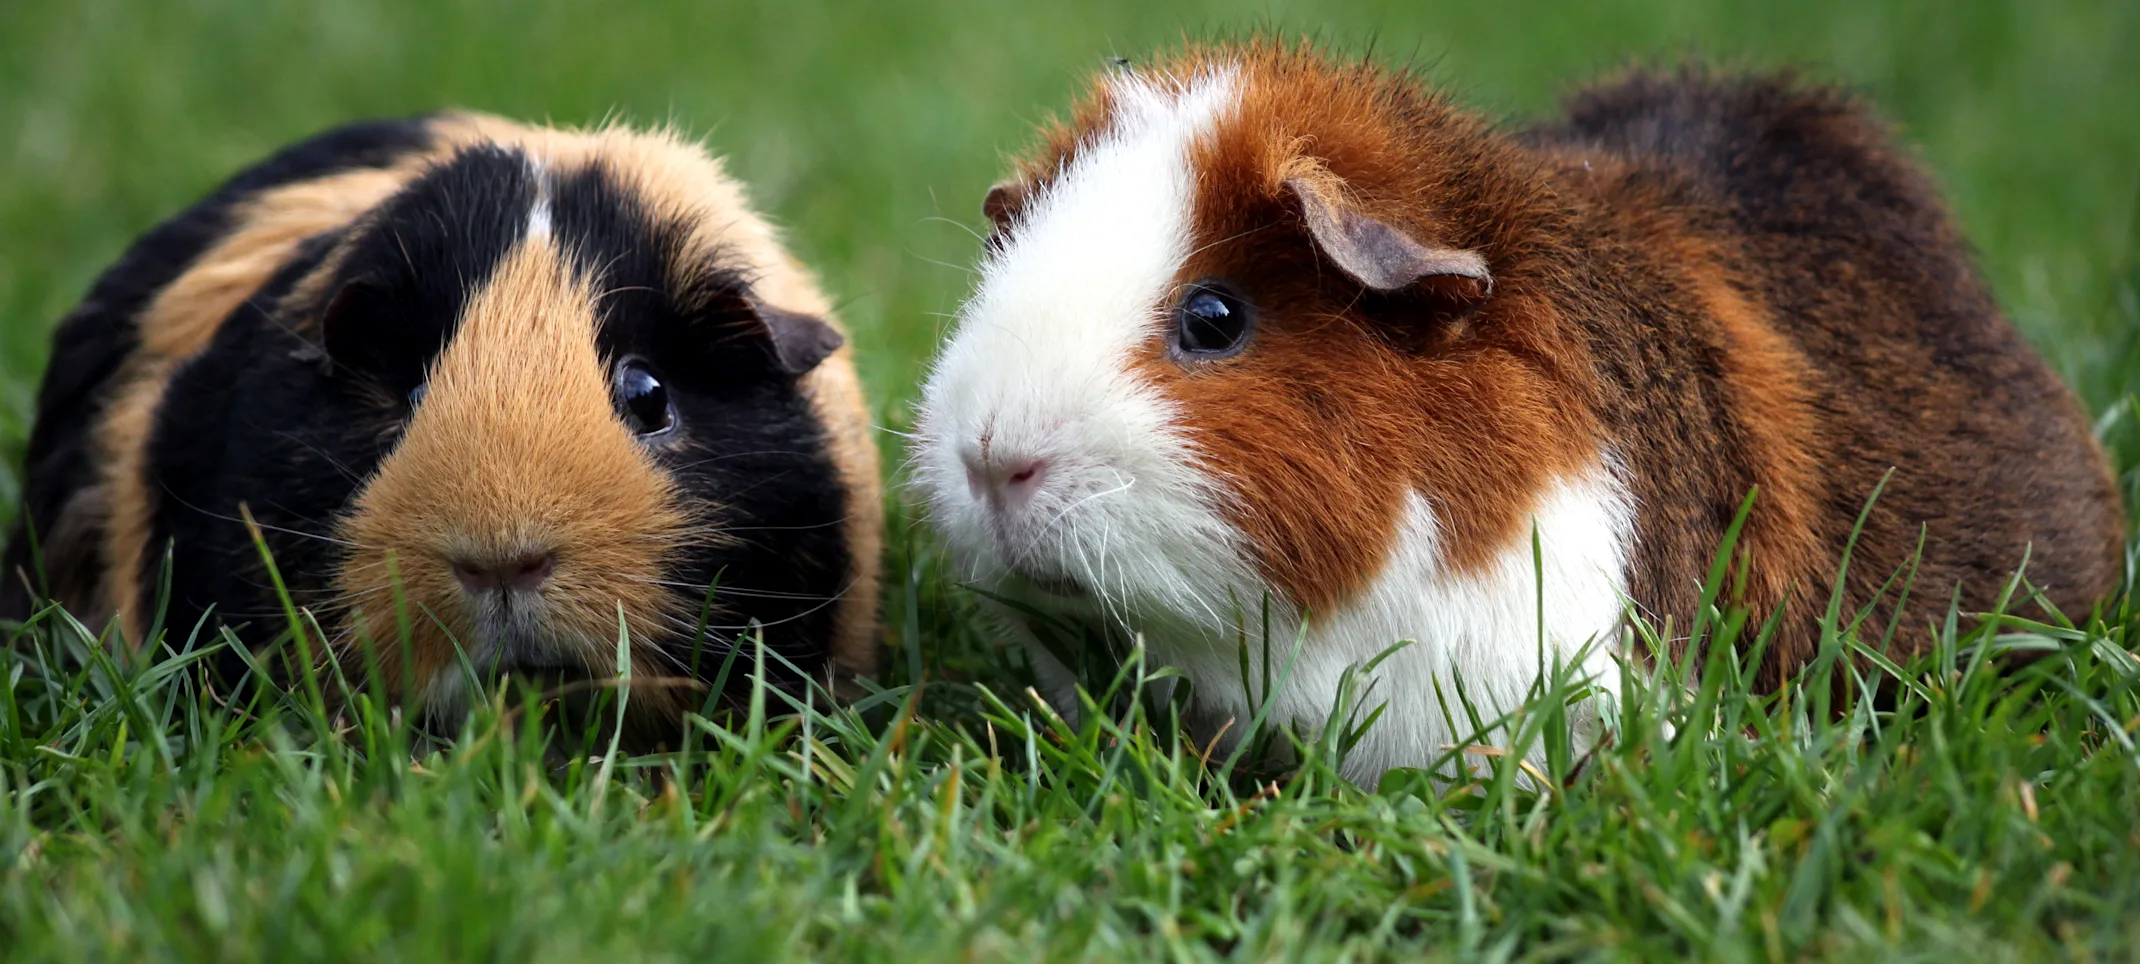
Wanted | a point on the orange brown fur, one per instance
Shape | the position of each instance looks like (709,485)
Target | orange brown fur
(1768,385)
(836,392)
(1694,324)
(515,446)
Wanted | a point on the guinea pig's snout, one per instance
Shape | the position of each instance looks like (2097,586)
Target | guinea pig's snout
(485,573)
(1004,483)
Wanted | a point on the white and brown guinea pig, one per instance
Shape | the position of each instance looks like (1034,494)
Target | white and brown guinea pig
(1258,322)
(558,379)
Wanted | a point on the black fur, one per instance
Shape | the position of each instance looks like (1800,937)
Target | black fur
(297,400)
(746,439)
(259,418)
(400,293)
(95,339)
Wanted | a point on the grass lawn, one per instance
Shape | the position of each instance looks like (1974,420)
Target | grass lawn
(1993,813)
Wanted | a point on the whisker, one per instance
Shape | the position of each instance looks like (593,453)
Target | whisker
(741,455)
(719,591)
(797,528)
(1072,507)
(1233,237)
(805,613)
(963,268)
(173,496)
(606,293)
(324,456)
(963,226)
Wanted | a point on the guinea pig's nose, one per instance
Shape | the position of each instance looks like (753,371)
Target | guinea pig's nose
(524,572)
(1005,481)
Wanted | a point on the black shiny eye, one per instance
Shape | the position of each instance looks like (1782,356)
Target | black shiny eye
(1211,321)
(416,395)
(642,401)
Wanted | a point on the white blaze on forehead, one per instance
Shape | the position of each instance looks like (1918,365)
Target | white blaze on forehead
(1095,252)
(539,212)
(1040,366)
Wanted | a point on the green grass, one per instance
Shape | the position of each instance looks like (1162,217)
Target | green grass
(1994,814)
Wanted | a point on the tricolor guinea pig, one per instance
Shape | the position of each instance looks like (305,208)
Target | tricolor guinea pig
(1261,325)
(557,384)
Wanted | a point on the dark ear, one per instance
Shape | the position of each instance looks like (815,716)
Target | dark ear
(1003,203)
(340,327)
(799,341)
(1383,257)
(364,328)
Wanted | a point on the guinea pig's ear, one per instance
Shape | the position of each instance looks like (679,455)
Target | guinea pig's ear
(1383,257)
(799,341)
(368,329)
(1003,204)
(348,331)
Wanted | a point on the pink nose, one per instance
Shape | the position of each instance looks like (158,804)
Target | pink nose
(524,572)
(1005,482)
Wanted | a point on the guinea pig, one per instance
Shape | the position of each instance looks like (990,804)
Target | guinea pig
(1259,326)
(517,389)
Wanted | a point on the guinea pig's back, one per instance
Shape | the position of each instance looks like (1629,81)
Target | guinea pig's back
(159,304)
(1836,244)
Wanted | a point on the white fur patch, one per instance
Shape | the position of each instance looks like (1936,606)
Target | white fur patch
(539,212)
(539,219)
(1039,369)
(1482,626)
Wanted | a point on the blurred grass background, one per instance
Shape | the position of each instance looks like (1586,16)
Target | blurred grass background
(872,130)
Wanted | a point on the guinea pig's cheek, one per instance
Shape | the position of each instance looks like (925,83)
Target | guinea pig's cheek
(1075,485)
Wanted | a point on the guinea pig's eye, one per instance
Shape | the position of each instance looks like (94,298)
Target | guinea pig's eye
(1210,320)
(641,399)
(416,395)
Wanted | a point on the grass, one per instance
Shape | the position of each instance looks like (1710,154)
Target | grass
(1993,813)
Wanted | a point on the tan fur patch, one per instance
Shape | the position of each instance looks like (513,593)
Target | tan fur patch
(516,450)
(421,496)
(836,394)
(182,320)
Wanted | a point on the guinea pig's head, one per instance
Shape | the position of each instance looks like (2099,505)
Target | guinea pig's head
(1239,315)
(592,374)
